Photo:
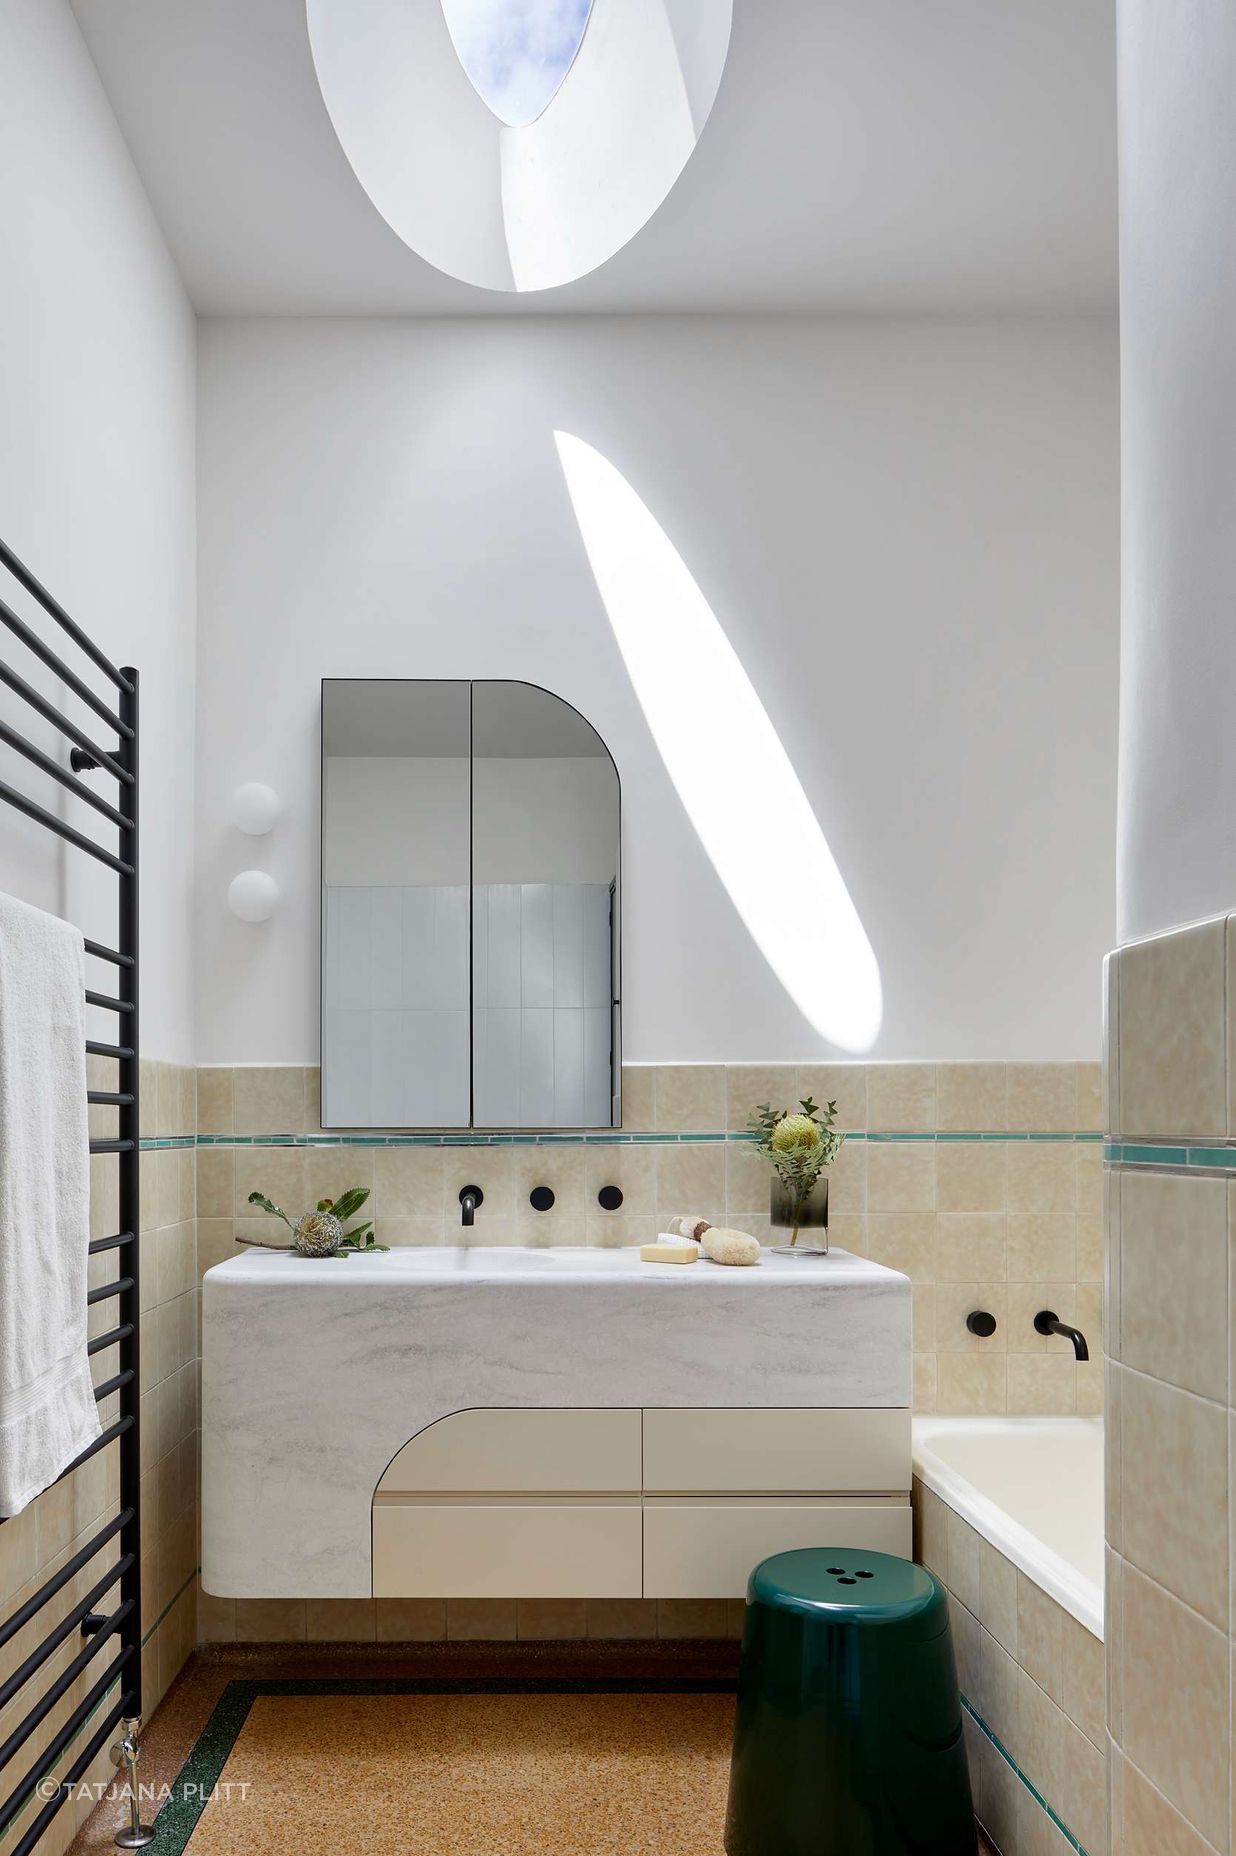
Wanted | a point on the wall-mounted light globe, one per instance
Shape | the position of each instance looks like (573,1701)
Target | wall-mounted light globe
(254,808)
(525,142)
(253,896)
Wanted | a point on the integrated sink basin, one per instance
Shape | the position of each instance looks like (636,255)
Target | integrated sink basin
(320,1377)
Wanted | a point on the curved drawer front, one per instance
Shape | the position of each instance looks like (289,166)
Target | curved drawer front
(500,1452)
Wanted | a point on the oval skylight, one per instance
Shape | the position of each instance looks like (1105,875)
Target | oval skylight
(518,144)
(517,52)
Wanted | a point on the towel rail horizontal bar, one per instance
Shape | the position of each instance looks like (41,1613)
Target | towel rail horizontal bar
(108,1098)
(113,1384)
(108,953)
(21,572)
(35,1717)
(94,1049)
(65,1628)
(107,1002)
(102,1342)
(51,1643)
(116,1242)
(101,1146)
(108,1290)
(43,817)
(47,765)
(33,1605)
(55,1747)
(46,655)
(101,1442)
(52,715)
(122,1710)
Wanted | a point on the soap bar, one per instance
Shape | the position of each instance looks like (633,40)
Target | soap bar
(669,1253)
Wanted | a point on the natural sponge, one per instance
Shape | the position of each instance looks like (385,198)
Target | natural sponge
(722,1245)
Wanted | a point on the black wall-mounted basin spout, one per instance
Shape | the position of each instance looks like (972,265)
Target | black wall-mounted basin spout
(469,1198)
(1045,1322)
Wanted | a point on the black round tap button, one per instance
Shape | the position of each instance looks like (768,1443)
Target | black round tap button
(541,1199)
(981,1323)
(609,1198)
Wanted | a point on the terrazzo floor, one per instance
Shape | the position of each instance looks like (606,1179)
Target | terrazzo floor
(540,1773)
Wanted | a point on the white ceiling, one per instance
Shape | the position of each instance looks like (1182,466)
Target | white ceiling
(886,156)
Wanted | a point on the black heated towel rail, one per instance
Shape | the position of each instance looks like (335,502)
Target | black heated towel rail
(29,1803)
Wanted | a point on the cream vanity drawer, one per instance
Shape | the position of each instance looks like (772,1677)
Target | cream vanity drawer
(794,1450)
(582,1549)
(500,1452)
(708,1549)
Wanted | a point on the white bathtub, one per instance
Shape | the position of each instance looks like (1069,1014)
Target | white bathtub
(1033,1487)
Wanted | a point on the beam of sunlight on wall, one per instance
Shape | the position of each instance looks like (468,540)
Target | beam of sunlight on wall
(725,758)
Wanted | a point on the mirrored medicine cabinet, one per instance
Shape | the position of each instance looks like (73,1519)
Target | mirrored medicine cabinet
(471,909)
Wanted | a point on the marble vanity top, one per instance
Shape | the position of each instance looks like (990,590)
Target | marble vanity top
(448,1265)
(315,1373)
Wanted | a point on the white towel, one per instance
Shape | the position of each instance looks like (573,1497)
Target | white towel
(47,1410)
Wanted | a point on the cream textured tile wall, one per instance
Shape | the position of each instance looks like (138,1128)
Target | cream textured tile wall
(36,1543)
(1171,1631)
(1006,1224)
(1033,1677)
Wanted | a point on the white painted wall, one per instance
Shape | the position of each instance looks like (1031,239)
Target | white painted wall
(97,416)
(1177,836)
(908,531)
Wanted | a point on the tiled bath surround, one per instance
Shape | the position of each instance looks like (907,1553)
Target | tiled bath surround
(34,1544)
(1032,1681)
(1171,1630)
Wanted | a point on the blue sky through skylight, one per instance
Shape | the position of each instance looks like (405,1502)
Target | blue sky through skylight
(516,52)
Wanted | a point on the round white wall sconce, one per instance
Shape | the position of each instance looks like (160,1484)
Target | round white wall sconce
(253,896)
(254,808)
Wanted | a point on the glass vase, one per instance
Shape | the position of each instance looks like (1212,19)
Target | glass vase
(799,1213)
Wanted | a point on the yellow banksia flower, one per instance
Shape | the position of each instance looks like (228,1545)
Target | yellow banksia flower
(796,1134)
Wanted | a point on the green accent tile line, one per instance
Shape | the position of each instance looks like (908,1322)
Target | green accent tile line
(1212,1157)
(172,1601)
(613,1137)
(202,1770)
(1029,1784)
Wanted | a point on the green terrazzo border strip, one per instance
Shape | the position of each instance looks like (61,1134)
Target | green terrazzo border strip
(1215,1157)
(1029,1784)
(602,1138)
(201,1772)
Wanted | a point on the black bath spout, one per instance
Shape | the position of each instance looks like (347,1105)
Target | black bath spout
(1045,1322)
(469,1198)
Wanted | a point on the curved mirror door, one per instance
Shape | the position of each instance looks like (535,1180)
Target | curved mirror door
(470,909)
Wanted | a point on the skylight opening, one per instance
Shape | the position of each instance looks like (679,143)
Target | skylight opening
(517,52)
(725,758)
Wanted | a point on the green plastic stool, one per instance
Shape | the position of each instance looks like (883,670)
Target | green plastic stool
(848,1736)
